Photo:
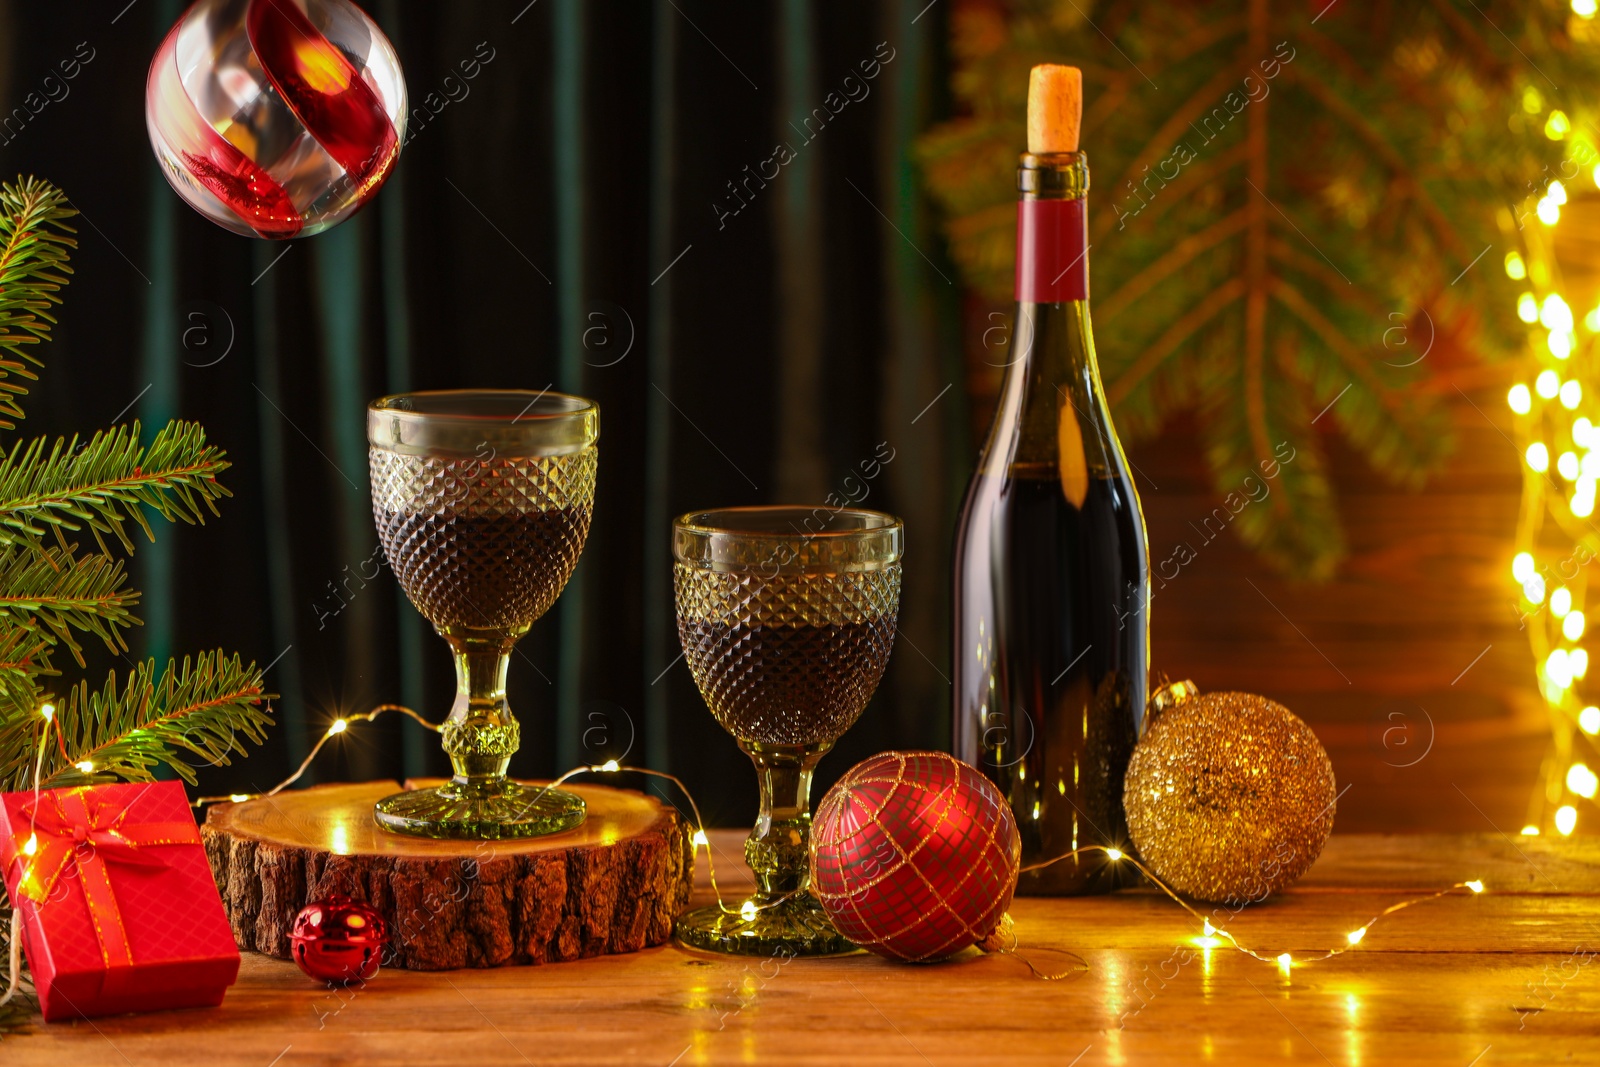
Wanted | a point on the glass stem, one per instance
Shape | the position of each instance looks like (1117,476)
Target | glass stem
(776,848)
(481,734)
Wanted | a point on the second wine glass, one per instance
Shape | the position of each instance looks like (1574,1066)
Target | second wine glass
(786,616)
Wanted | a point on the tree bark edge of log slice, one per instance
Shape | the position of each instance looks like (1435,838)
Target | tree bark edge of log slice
(614,884)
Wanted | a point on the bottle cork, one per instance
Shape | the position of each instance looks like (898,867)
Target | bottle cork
(1055,108)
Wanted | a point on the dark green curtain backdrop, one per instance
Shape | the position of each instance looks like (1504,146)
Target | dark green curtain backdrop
(588,213)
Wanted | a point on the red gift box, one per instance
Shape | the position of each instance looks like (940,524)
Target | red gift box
(119,909)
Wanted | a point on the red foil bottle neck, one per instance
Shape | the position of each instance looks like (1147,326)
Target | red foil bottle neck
(1052,251)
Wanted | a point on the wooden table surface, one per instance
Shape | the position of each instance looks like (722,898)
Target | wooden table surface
(1506,977)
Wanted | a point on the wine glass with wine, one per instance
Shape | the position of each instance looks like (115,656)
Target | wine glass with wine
(482,500)
(786,616)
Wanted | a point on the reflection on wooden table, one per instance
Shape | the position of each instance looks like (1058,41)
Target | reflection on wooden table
(1506,977)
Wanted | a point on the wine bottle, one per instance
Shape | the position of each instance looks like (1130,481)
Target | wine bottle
(1051,621)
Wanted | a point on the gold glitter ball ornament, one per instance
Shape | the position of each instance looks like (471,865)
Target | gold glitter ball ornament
(1230,796)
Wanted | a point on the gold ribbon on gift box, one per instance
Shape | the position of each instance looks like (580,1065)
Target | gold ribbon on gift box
(73,836)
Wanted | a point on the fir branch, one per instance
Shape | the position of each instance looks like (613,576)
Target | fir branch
(34,243)
(102,483)
(24,656)
(20,722)
(1180,255)
(1184,327)
(50,592)
(206,708)
(1202,99)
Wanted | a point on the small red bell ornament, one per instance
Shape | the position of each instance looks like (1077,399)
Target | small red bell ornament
(339,939)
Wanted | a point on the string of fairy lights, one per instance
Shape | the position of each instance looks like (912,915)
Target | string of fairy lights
(1554,401)
(1211,936)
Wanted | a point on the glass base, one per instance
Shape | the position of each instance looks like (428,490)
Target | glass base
(797,927)
(505,809)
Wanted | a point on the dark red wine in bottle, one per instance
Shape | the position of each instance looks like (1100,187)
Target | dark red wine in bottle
(1051,622)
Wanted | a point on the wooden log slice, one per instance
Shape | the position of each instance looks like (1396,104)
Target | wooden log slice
(614,884)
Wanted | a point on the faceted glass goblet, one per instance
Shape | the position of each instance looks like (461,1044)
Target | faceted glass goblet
(482,500)
(786,616)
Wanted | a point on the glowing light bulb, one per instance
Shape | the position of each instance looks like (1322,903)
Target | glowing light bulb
(1560,346)
(1582,781)
(1566,819)
(1538,456)
(1520,399)
(1533,589)
(1584,8)
(1530,831)
(1578,662)
(1548,384)
(1114,853)
(1209,929)
(1522,566)
(48,711)
(1355,936)
(1582,501)
(87,766)
(610,765)
(747,910)
(1589,720)
(700,838)
(1561,601)
(239,797)
(1591,464)
(30,846)
(1592,320)
(1557,669)
(1556,314)
(1285,961)
(1567,464)
(338,726)
(1516,270)
(1557,191)
(1548,210)
(1571,391)
(1583,432)
(1527,306)
(1475,885)
(1572,625)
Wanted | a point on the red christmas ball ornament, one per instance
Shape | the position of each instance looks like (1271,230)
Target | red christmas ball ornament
(276,118)
(914,855)
(339,939)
